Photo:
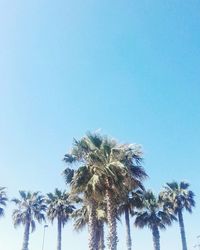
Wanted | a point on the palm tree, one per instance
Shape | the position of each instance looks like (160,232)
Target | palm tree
(30,208)
(154,217)
(177,197)
(59,207)
(133,200)
(81,217)
(3,200)
(82,183)
(108,174)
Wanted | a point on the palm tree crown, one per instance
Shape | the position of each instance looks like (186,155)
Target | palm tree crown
(59,206)
(102,159)
(152,213)
(154,217)
(3,200)
(30,207)
(177,196)
(81,216)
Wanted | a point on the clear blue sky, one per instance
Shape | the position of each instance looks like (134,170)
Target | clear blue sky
(130,68)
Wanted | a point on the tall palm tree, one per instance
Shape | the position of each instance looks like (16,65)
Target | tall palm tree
(109,174)
(3,200)
(134,200)
(59,207)
(30,208)
(154,217)
(177,197)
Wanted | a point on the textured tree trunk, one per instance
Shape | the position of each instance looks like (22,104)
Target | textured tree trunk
(93,245)
(112,224)
(101,245)
(59,236)
(128,231)
(156,238)
(98,233)
(182,230)
(26,236)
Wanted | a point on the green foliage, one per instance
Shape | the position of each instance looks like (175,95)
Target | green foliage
(152,214)
(31,207)
(102,159)
(132,202)
(59,206)
(68,174)
(81,216)
(177,196)
(3,200)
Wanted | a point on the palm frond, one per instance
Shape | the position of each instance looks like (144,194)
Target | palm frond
(152,214)
(177,196)
(30,207)
(59,206)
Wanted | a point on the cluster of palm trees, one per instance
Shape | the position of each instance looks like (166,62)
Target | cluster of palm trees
(32,207)
(105,179)
(108,177)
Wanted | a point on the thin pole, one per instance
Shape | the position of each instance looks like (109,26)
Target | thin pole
(45,226)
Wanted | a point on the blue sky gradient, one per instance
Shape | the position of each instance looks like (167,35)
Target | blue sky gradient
(130,68)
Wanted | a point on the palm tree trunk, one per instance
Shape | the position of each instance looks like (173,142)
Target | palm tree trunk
(98,233)
(92,226)
(26,236)
(128,231)
(182,230)
(156,238)
(112,224)
(101,245)
(59,236)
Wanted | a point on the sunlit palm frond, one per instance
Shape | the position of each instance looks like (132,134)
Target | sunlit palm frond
(30,207)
